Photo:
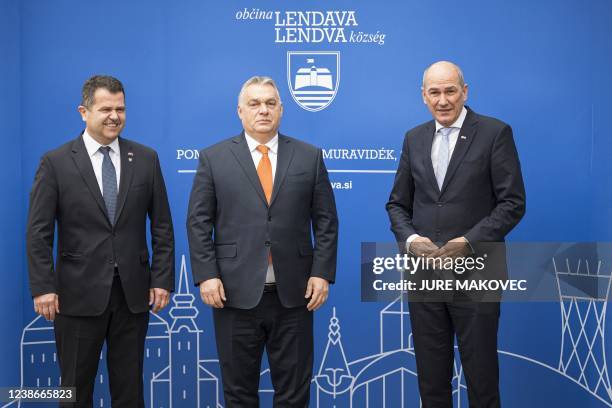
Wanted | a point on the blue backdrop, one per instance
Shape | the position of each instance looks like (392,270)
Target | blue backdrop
(541,66)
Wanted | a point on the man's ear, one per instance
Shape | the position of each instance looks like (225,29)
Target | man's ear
(83,111)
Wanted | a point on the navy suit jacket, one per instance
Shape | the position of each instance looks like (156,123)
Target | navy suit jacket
(482,197)
(231,228)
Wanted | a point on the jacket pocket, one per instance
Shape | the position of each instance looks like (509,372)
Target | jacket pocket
(226,251)
(300,178)
(71,255)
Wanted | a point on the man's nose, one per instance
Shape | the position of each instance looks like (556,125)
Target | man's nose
(114,115)
(263,109)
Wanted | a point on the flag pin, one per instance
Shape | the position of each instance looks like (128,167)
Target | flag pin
(130,156)
(463,137)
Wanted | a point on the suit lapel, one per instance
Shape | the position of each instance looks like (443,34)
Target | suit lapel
(240,150)
(127,171)
(83,163)
(284,157)
(428,142)
(464,140)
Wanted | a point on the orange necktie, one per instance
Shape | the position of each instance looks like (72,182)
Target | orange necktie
(264,171)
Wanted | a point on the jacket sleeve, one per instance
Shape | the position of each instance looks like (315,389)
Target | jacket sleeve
(324,224)
(162,233)
(41,229)
(399,207)
(200,223)
(509,192)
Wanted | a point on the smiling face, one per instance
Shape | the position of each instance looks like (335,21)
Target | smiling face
(260,111)
(105,117)
(444,93)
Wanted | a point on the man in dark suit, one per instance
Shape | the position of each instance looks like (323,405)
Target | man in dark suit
(257,198)
(458,184)
(99,189)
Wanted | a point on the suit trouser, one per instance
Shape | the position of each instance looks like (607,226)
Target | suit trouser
(287,335)
(79,342)
(434,325)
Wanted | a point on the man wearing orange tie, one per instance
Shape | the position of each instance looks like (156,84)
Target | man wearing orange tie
(259,202)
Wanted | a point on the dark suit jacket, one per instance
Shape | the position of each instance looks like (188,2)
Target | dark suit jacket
(66,192)
(231,227)
(482,197)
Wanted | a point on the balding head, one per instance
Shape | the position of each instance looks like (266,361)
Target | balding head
(444,67)
(444,91)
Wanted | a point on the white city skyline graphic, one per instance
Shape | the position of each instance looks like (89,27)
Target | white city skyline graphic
(176,376)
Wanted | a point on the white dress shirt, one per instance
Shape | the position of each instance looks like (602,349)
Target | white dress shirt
(272,155)
(96,157)
(435,146)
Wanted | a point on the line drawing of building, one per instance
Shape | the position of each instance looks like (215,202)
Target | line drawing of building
(186,377)
(313,76)
(176,376)
(166,344)
(334,377)
(584,292)
(382,379)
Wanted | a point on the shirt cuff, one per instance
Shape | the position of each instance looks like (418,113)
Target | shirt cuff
(469,244)
(409,241)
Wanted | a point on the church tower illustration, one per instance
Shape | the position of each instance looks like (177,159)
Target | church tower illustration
(186,380)
(334,378)
(184,343)
(583,296)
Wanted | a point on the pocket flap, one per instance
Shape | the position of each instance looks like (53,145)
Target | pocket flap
(226,251)
(71,255)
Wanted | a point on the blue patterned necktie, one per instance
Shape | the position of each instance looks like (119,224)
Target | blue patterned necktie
(109,184)
(443,155)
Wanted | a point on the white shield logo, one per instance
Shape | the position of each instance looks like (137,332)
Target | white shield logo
(313,78)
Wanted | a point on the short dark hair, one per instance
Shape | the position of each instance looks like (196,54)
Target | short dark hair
(113,85)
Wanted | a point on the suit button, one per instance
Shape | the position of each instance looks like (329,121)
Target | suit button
(268,243)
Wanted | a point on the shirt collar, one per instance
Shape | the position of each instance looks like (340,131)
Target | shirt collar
(93,146)
(272,143)
(457,124)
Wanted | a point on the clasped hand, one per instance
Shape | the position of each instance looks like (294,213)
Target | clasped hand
(455,248)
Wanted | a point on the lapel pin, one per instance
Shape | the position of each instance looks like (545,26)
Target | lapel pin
(463,137)
(130,156)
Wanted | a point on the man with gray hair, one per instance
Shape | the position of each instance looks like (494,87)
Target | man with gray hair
(257,200)
(458,184)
